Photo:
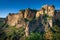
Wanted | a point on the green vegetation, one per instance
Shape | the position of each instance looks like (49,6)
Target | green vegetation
(36,36)
(1,23)
(56,34)
(13,33)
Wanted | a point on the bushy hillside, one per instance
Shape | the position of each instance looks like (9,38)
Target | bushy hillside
(13,33)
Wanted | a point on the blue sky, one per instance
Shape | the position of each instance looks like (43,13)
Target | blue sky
(13,6)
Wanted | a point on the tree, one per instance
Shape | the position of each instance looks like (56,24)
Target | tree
(35,36)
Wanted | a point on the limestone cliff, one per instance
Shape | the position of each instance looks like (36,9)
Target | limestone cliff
(12,19)
(33,20)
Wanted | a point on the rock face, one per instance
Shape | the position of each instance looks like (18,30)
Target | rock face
(58,15)
(12,19)
(29,14)
(46,15)
(49,10)
(33,20)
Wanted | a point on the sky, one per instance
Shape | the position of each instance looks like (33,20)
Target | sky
(13,6)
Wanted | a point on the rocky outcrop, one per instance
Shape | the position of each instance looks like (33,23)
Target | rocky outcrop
(12,19)
(49,10)
(29,13)
(58,15)
(33,20)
